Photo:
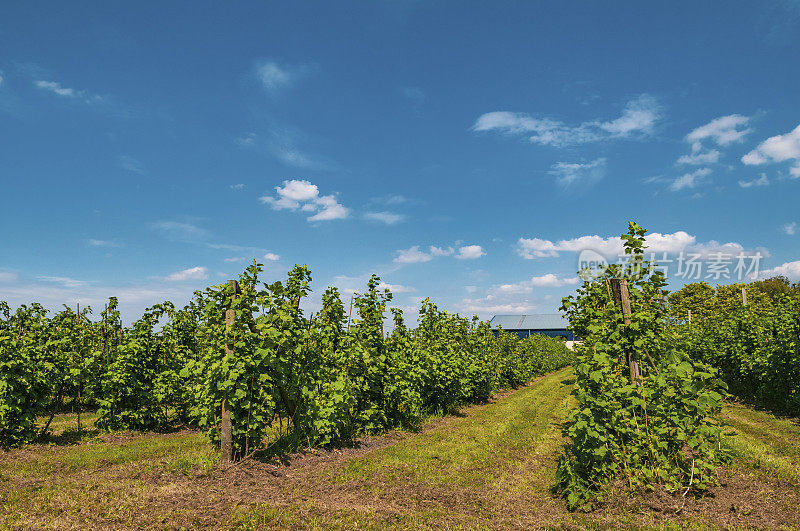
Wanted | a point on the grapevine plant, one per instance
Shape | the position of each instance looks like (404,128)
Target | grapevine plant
(637,429)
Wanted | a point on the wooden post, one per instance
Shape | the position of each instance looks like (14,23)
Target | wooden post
(744,297)
(226,432)
(623,297)
(690,317)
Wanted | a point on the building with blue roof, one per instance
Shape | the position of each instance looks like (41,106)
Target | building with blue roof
(547,324)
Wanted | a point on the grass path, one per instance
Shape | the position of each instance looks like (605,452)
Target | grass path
(489,467)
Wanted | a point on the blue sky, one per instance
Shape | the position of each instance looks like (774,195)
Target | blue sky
(464,151)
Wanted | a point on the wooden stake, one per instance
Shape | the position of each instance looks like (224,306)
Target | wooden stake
(690,317)
(744,297)
(226,432)
(623,297)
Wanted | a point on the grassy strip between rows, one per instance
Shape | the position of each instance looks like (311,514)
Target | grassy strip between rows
(488,468)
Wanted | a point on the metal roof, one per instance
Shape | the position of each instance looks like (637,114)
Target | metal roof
(540,321)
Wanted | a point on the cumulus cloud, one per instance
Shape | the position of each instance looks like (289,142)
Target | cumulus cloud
(389,218)
(690,179)
(304,196)
(778,148)
(193,273)
(761,181)
(412,255)
(790,270)
(271,257)
(586,173)
(533,248)
(470,252)
(638,117)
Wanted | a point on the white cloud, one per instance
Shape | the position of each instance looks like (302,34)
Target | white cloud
(64,281)
(790,228)
(723,130)
(271,257)
(389,218)
(275,78)
(8,276)
(761,181)
(689,180)
(56,88)
(441,251)
(470,252)
(548,280)
(102,243)
(65,92)
(487,306)
(778,148)
(412,255)
(532,248)
(302,195)
(699,156)
(1,80)
(415,255)
(790,270)
(396,288)
(176,230)
(132,165)
(639,116)
(237,187)
(193,273)
(568,174)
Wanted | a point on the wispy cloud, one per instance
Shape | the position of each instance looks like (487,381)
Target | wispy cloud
(723,131)
(103,243)
(64,281)
(778,148)
(237,187)
(689,180)
(56,88)
(179,231)
(389,218)
(571,173)
(761,181)
(8,276)
(132,165)
(638,118)
(549,280)
(276,78)
(790,228)
(303,196)
(415,255)
(193,273)
(396,288)
(282,144)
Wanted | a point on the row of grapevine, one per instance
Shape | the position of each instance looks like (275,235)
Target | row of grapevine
(647,411)
(756,347)
(318,378)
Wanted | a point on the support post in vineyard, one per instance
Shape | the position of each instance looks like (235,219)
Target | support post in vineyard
(744,297)
(226,432)
(623,297)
